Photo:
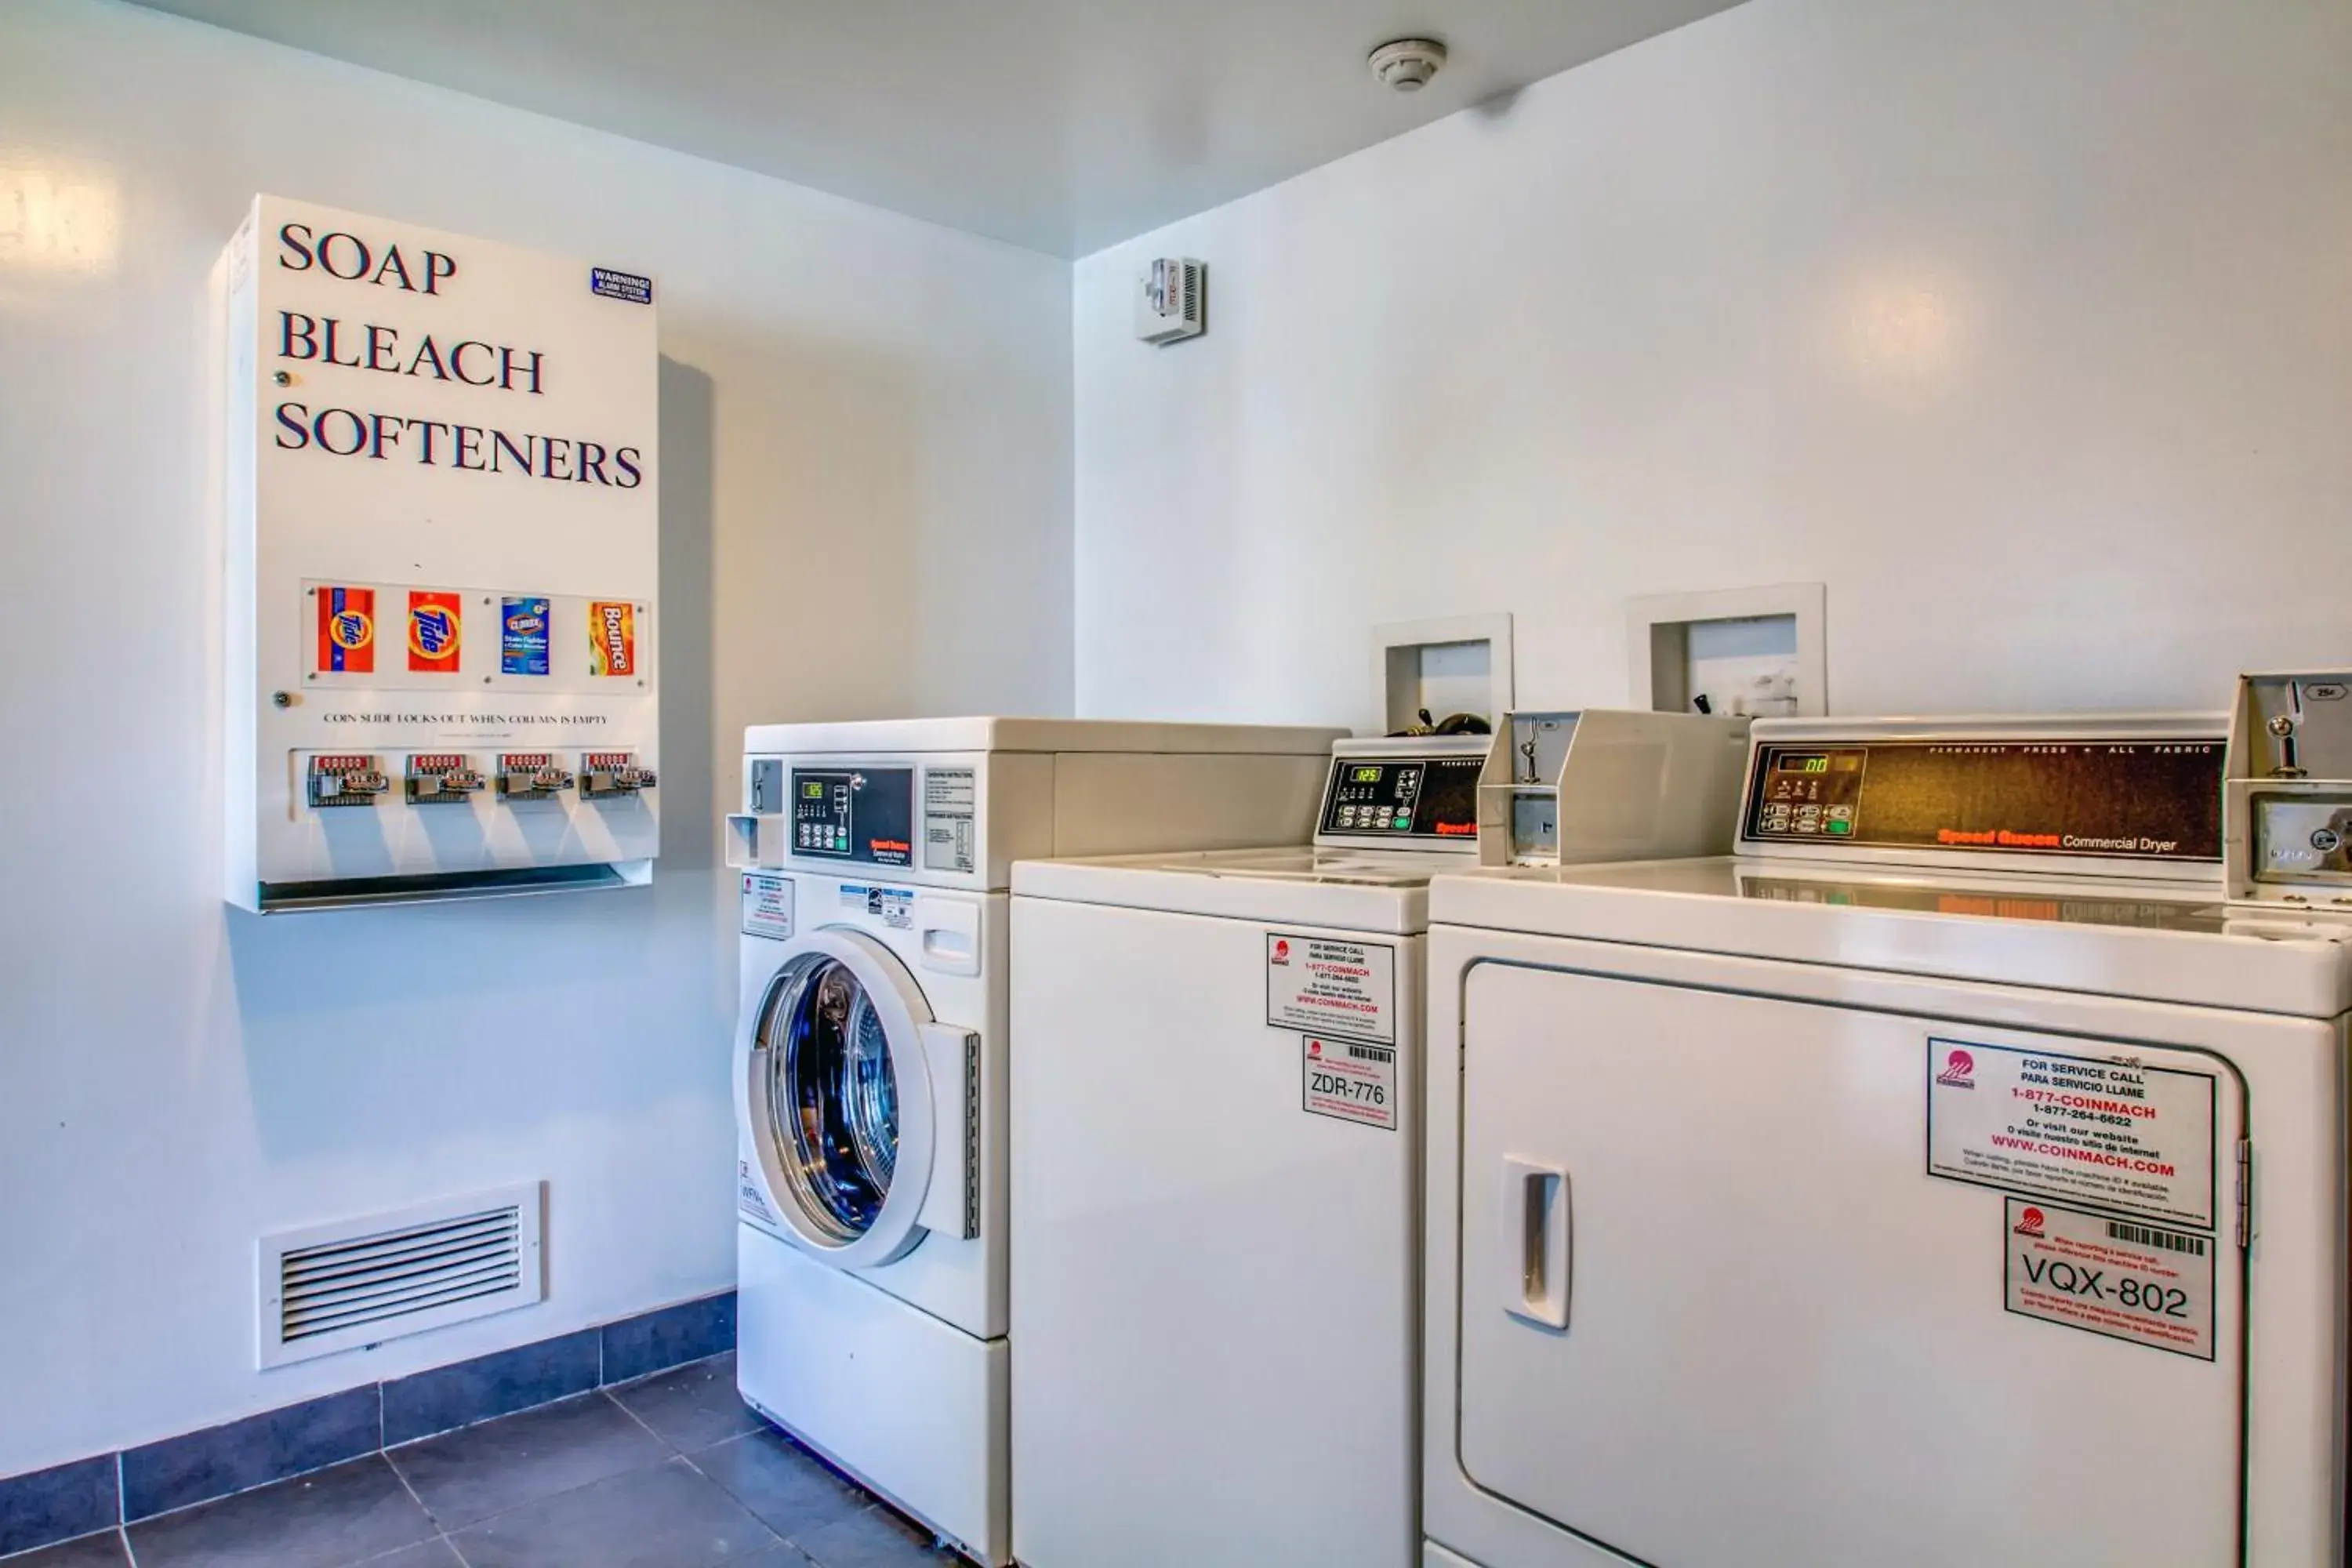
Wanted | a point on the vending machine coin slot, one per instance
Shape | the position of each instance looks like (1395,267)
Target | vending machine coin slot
(531,775)
(336,780)
(442,778)
(612,775)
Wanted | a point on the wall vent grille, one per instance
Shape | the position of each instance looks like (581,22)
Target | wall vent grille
(338,1287)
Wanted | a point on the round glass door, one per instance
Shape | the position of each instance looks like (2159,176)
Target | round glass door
(831,1095)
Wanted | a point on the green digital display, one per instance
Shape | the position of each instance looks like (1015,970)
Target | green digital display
(1365,775)
(812,791)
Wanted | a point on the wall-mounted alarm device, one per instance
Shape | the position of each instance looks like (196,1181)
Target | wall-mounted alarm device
(1171,300)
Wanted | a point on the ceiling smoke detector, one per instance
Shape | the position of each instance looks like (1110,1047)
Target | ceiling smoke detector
(1407,64)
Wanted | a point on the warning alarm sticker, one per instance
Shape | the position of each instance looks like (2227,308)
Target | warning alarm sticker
(2112,1277)
(767,905)
(2113,1134)
(1332,987)
(1349,1080)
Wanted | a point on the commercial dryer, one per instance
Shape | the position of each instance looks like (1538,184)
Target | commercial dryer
(1950,1177)
(872,1050)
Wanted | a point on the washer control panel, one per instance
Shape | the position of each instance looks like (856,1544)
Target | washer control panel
(1403,797)
(860,815)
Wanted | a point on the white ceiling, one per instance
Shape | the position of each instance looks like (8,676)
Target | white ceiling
(1062,125)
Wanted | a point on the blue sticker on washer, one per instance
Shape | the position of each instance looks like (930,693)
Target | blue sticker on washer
(893,907)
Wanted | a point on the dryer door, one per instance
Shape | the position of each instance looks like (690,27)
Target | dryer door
(850,1100)
(1769,1282)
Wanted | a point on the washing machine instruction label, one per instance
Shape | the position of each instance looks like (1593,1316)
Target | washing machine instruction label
(893,907)
(767,905)
(2112,1277)
(748,1196)
(2115,1134)
(949,839)
(1349,1080)
(1334,987)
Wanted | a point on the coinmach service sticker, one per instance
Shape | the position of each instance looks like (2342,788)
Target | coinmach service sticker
(2088,1129)
(1334,987)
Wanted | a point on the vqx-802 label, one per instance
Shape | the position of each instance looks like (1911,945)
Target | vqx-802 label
(2113,1276)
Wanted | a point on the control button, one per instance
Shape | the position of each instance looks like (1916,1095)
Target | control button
(1840,827)
(1841,814)
(2326,840)
(1403,821)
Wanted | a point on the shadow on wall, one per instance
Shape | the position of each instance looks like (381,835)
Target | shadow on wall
(843,493)
(395,1031)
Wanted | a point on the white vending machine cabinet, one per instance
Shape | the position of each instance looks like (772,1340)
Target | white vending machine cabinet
(1947,1178)
(440,522)
(1216,1185)
(872,1050)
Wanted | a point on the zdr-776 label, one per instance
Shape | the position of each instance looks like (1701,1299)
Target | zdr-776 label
(1351,1080)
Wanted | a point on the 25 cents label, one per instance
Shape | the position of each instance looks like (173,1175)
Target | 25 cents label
(1349,1080)
(2148,1284)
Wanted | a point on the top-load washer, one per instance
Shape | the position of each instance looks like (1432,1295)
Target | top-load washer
(871,1054)
(1950,1177)
(1216,1180)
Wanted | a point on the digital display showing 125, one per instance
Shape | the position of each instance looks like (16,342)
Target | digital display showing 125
(1418,797)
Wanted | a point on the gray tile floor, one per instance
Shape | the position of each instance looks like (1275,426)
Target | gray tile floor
(669,1472)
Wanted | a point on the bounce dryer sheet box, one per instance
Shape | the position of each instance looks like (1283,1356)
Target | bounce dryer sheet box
(440,483)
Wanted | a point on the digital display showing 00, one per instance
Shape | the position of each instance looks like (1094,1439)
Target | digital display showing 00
(2138,799)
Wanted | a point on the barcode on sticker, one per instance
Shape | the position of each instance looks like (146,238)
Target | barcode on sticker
(1371,1053)
(2162,1240)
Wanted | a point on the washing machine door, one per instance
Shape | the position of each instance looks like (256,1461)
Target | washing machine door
(850,1094)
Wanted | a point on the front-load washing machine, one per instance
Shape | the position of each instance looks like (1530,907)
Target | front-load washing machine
(871,1054)
(1216,1180)
(1947,1178)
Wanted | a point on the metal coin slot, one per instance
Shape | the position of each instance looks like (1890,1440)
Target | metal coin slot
(336,780)
(442,778)
(606,775)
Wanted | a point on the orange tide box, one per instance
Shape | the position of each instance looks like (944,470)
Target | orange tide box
(433,632)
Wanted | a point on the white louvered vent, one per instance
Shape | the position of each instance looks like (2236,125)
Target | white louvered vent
(336,1287)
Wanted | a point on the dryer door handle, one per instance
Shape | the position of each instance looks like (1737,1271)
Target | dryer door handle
(1534,1242)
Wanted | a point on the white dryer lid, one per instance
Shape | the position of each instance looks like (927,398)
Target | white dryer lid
(2109,936)
(1366,890)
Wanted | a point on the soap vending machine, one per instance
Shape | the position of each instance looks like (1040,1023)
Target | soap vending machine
(1578,786)
(440,522)
(2286,805)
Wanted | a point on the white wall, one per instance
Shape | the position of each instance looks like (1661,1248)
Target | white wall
(854,406)
(2025,327)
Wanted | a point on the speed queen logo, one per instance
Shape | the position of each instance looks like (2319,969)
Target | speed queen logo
(1281,950)
(2029,1222)
(1959,1071)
